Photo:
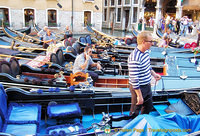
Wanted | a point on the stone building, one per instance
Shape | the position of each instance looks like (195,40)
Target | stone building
(125,14)
(52,13)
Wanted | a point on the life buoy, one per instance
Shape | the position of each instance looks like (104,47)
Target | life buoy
(187,46)
(193,44)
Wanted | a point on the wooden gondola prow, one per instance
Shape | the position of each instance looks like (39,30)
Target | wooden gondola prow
(12,44)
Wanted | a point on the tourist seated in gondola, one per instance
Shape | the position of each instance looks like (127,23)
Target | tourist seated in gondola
(49,38)
(83,61)
(166,39)
(67,32)
(42,33)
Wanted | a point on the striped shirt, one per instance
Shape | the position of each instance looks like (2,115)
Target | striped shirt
(139,68)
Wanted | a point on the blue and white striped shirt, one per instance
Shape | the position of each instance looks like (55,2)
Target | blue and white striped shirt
(139,68)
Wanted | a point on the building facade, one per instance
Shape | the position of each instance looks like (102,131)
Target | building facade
(52,13)
(126,14)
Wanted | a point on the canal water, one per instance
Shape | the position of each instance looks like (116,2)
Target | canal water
(117,33)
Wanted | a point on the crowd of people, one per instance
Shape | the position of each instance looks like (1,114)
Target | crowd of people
(181,27)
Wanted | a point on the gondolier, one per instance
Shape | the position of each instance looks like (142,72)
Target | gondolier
(49,38)
(42,33)
(140,74)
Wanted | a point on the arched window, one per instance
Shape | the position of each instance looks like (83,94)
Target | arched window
(4,14)
(52,18)
(29,16)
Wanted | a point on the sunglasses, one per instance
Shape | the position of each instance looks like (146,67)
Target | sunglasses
(150,41)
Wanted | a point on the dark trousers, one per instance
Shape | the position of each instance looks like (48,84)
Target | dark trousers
(198,39)
(147,106)
(94,76)
(66,36)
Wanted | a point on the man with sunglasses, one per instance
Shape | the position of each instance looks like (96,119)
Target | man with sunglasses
(140,74)
(83,61)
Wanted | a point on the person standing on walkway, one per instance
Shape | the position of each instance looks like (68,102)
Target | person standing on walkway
(198,39)
(140,74)
(140,24)
(167,21)
(184,26)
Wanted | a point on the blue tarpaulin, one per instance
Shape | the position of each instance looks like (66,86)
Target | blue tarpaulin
(171,124)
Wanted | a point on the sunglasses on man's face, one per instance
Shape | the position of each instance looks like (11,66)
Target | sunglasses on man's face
(150,41)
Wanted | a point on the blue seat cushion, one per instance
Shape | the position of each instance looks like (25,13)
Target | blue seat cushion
(82,40)
(64,110)
(68,129)
(24,113)
(21,129)
(88,39)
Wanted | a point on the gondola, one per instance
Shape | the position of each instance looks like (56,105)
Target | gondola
(109,95)
(9,43)
(86,115)
(19,36)
(175,42)
(134,32)
(26,30)
(36,28)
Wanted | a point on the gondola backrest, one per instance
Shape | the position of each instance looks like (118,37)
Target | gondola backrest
(134,40)
(5,67)
(71,50)
(76,47)
(128,41)
(15,67)
(54,58)
(59,53)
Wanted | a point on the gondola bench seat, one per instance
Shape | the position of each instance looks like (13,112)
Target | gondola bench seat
(60,111)
(19,119)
